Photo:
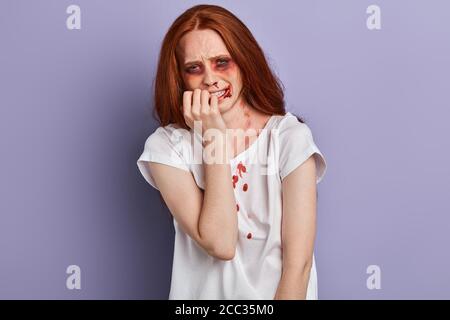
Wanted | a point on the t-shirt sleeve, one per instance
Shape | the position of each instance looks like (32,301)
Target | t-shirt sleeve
(296,146)
(162,146)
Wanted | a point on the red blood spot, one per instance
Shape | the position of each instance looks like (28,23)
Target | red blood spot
(249,236)
(235,180)
(237,207)
(245,187)
(241,167)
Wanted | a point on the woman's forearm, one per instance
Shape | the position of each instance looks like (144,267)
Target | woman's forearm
(293,284)
(218,223)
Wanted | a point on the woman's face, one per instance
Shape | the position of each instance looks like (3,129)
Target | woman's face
(206,64)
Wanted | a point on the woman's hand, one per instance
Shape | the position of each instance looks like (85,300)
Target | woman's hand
(196,107)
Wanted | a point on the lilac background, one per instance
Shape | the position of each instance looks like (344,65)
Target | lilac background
(76,110)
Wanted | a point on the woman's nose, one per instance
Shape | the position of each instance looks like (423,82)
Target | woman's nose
(209,79)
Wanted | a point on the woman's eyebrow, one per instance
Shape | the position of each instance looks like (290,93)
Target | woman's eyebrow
(212,58)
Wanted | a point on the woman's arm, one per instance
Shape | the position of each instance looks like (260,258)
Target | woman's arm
(207,217)
(218,222)
(298,230)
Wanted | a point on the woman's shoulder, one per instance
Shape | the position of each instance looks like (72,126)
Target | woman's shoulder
(288,126)
(171,128)
(171,133)
(169,140)
(165,145)
(296,144)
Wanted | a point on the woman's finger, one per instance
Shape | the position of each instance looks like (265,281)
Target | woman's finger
(214,107)
(205,102)
(187,104)
(196,104)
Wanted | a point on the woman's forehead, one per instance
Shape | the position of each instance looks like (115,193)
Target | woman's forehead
(202,44)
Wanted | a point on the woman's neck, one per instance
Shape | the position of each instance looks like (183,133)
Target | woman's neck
(245,118)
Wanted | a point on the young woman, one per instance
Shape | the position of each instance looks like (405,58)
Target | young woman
(245,209)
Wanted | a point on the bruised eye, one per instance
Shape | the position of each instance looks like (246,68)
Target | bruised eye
(192,68)
(222,62)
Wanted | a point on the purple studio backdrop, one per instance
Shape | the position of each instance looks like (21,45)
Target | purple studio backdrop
(76,109)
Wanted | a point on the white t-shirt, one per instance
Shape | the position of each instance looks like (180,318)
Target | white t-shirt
(257,172)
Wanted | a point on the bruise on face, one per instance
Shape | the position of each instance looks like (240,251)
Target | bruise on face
(222,64)
(200,52)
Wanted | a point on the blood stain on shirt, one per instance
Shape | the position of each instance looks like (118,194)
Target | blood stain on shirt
(245,187)
(249,235)
(241,168)
(237,207)
(235,180)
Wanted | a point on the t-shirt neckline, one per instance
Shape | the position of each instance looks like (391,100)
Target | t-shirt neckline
(244,153)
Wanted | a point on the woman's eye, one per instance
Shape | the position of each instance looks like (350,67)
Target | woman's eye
(222,62)
(192,68)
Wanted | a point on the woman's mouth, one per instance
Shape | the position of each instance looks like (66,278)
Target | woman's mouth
(223,94)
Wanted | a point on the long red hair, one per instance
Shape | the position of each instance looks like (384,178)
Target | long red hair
(261,89)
